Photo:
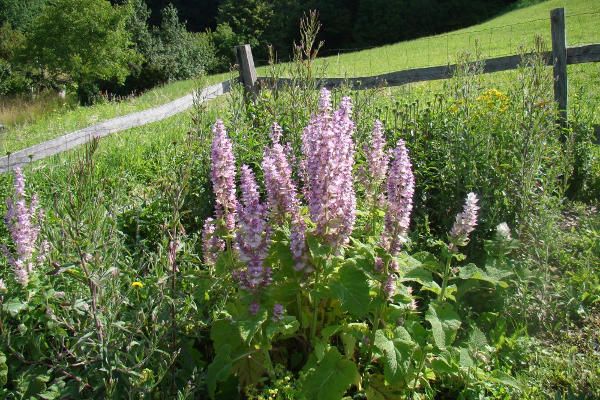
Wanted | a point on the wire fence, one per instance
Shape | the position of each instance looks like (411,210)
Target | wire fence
(444,49)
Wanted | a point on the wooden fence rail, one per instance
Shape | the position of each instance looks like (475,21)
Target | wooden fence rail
(82,136)
(559,58)
(575,55)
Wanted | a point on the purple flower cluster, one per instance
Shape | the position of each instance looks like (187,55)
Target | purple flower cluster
(377,160)
(223,176)
(281,190)
(212,244)
(278,311)
(329,155)
(389,288)
(282,196)
(24,223)
(465,223)
(400,191)
(252,235)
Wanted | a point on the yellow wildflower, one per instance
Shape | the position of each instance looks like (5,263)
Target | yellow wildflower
(137,284)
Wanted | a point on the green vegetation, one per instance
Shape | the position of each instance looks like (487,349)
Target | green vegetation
(131,299)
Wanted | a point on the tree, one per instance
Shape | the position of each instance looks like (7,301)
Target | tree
(20,13)
(249,20)
(82,42)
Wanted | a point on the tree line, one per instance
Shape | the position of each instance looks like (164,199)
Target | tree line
(127,46)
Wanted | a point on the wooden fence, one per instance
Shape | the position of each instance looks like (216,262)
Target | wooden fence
(559,58)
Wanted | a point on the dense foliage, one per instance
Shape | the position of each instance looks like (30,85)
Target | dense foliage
(151,42)
(364,246)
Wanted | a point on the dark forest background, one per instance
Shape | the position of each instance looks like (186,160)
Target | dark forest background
(54,44)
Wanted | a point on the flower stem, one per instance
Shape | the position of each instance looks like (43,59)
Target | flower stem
(313,328)
(445,278)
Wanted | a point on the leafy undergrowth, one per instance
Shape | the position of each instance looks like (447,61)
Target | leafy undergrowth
(422,257)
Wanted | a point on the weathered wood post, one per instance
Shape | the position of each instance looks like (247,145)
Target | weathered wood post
(248,75)
(559,61)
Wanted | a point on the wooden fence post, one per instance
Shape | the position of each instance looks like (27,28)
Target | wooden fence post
(559,61)
(248,76)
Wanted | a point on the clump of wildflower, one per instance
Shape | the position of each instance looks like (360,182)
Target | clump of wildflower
(223,176)
(465,223)
(254,308)
(212,244)
(377,160)
(282,196)
(503,231)
(329,153)
(389,288)
(280,187)
(378,264)
(400,191)
(277,312)
(252,235)
(137,284)
(24,223)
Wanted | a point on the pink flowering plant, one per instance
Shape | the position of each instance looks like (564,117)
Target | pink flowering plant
(329,290)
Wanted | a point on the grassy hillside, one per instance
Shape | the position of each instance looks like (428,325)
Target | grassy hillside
(499,36)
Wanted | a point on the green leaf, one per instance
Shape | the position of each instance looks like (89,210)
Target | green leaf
(225,333)
(3,370)
(349,342)
(286,327)
(219,369)
(444,323)
(317,249)
(502,378)
(328,331)
(471,271)
(466,361)
(250,368)
(14,306)
(331,378)
(377,390)
(351,288)
(249,327)
(397,356)
(422,276)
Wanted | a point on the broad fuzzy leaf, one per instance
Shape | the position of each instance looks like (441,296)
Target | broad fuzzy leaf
(351,288)
(331,378)
(397,355)
(219,369)
(444,323)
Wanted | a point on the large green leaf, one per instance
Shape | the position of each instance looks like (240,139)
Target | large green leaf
(378,390)
(3,370)
(286,327)
(444,323)
(422,276)
(351,288)
(14,306)
(250,369)
(331,378)
(249,327)
(471,271)
(397,355)
(224,332)
(219,369)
